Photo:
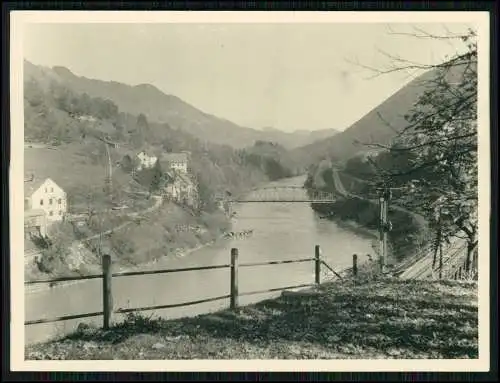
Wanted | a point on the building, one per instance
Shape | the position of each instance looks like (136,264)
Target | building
(35,223)
(47,196)
(146,161)
(180,188)
(86,118)
(106,139)
(176,161)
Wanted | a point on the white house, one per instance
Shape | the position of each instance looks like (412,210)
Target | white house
(145,160)
(177,161)
(46,195)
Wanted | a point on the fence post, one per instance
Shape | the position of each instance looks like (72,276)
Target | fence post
(317,263)
(460,272)
(355,265)
(234,279)
(107,293)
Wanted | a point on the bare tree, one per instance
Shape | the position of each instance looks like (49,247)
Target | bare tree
(440,140)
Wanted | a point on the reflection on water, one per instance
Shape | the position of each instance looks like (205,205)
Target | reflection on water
(280,231)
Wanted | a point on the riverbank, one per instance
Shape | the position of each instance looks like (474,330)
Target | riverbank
(372,319)
(409,234)
(355,227)
(280,232)
(121,268)
(167,232)
(406,238)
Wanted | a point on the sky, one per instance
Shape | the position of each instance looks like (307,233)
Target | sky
(285,76)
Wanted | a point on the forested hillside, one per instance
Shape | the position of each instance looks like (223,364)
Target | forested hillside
(379,126)
(429,160)
(57,115)
(72,124)
(168,109)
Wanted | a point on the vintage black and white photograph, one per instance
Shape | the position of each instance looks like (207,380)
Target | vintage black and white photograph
(272,190)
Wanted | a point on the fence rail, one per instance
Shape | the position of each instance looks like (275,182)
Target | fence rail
(107,277)
(454,266)
(166,271)
(63,318)
(251,264)
(64,279)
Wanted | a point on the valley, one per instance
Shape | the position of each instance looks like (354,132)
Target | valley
(226,190)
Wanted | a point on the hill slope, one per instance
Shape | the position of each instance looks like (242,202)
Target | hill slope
(164,108)
(389,319)
(380,125)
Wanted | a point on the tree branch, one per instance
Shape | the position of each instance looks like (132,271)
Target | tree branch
(425,165)
(419,146)
(426,35)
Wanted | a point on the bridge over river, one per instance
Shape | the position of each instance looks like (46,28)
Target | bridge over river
(284,194)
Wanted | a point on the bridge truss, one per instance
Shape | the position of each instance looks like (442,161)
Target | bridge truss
(286,194)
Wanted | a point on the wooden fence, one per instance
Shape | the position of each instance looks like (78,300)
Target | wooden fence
(107,281)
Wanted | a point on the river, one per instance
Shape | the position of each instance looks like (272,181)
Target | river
(280,231)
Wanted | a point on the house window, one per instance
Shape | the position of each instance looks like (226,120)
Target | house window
(59,201)
(50,201)
(60,212)
(41,202)
(45,190)
(51,213)
(51,190)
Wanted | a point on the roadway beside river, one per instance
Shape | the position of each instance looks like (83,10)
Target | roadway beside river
(419,266)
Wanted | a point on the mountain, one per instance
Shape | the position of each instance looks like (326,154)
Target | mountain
(73,125)
(297,138)
(379,125)
(164,108)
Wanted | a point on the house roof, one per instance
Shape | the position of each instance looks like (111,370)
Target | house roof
(32,186)
(185,179)
(171,175)
(166,165)
(147,153)
(177,157)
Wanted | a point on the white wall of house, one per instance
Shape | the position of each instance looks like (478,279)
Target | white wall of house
(50,198)
(146,161)
(180,166)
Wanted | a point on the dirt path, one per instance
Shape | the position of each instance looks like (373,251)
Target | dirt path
(158,201)
(78,245)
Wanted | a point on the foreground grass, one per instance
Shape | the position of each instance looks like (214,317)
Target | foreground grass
(373,319)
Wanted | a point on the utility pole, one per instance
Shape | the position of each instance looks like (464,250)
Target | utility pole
(384,226)
(109,174)
(109,170)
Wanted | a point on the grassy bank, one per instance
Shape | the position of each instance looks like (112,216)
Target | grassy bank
(164,232)
(386,318)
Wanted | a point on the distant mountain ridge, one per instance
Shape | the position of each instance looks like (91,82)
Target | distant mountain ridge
(380,125)
(170,109)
